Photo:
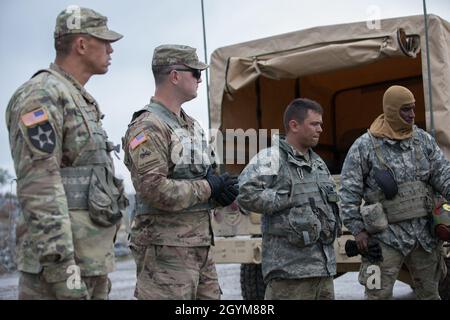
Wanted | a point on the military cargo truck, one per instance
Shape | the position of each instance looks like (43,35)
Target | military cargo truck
(346,68)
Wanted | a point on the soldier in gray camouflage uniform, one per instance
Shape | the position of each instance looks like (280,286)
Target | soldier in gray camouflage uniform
(399,166)
(293,189)
(71,202)
(170,165)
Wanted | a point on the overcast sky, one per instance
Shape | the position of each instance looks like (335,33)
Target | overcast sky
(26,35)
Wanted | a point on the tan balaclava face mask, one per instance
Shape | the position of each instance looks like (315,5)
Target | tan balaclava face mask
(390,124)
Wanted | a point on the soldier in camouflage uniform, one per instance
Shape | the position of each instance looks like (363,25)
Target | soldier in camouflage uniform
(71,202)
(167,155)
(293,189)
(399,166)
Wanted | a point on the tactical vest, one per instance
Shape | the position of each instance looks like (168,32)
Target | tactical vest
(182,170)
(314,214)
(89,183)
(414,198)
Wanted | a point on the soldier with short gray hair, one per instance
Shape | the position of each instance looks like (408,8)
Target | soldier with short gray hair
(71,202)
(396,168)
(291,186)
(172,171)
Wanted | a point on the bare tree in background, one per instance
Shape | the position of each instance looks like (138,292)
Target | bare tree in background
(4,177)
(9,210)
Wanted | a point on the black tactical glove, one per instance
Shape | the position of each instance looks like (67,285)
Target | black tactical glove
(351,249)
(373,254)
(216,184)
(223,188)
(230,190)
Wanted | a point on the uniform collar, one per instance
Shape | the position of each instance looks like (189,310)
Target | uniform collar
(183,119)
(404,144)
(296,155)
(74,82)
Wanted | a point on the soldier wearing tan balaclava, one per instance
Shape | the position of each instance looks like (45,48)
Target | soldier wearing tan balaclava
(390,124)
(395,166)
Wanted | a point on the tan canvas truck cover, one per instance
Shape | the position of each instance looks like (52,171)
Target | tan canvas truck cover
(346,68)
(321,63)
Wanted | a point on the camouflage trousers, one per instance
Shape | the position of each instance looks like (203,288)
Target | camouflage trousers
(34,287)
(425,268)
(316,288)
(169,272)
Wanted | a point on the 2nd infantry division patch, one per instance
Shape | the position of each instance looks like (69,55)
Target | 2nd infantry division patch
(40,131)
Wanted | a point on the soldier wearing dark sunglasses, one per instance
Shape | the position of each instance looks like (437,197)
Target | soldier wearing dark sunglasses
(171,168)
(195,72)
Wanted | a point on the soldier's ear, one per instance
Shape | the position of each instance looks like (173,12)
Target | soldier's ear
(174,77)
(293,125)
(80,45)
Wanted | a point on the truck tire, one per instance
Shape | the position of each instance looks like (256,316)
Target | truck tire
(252,284)
(444,285)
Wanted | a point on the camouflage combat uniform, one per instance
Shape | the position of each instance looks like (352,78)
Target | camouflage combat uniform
(409,241)
(172,234)
(296,195)
(55,129)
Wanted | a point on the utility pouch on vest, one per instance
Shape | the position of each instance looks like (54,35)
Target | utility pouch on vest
(304,228)
(107,201)
(414,200)
(328,225)
(95,189)
(387,183)
(76,182)
(332,198)
(374,218)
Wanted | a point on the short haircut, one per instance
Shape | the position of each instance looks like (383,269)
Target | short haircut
(161,73)
(298,109)
(63,45)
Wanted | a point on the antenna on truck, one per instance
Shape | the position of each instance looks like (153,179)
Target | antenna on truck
(430,94)
(206,61)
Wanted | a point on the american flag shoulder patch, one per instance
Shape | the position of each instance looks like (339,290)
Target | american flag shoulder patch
(137,140)
(34,117)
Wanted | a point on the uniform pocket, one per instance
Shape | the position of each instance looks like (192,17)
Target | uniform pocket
(304,228)
(106,200)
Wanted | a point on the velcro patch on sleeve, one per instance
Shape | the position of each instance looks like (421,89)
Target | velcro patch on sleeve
(137,140)
(42,137)
(34,117)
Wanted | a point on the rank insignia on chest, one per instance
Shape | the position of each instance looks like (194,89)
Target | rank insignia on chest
(137,140)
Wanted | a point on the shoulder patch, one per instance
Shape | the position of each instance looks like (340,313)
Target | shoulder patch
(34,117)
(42,137)
(137,140)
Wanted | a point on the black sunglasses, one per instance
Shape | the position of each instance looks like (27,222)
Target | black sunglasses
(195,72)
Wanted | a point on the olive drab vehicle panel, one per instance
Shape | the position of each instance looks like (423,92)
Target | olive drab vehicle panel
(346,68)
